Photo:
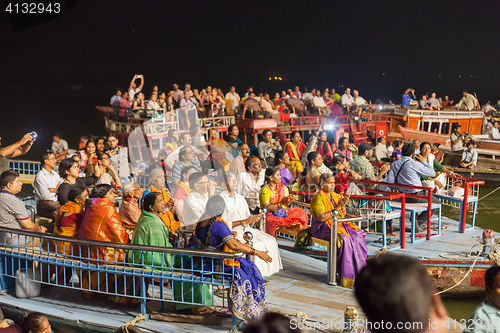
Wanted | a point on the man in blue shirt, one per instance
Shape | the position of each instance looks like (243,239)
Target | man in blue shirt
(407,171)
(407,97)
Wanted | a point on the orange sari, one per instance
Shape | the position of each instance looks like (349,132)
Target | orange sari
(168,218)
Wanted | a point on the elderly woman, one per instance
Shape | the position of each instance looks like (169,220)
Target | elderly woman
(130,210)
(237,215)
(294,149)
(250,182)
(248,289)
(102,222)
(274,197)
(351,240)
(157,179)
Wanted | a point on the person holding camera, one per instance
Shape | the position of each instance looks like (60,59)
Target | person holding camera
(21,147)
(408,97)
(268,148)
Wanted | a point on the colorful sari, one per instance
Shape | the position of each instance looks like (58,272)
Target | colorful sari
(101,222)
(283,109)
(325,150)
(248,288)
(67,223)
(168,218)
(295,166)
(291,216)
(351,257)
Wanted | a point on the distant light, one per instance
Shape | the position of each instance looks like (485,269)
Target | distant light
(383,73)
(275,77)
(280,78)
(270,79)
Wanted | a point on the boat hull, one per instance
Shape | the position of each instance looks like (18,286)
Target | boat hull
(422,136)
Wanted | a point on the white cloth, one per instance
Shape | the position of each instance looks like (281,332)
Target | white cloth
(494,134)
(132,92)
(380,151)
(359,100)
(237,210)
(58,148)
(43,181)
(194,207)
(318,102)
(234,97)
(347,99)
(120,163)
(307,96)
(249,188)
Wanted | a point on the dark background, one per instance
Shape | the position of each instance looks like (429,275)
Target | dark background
(55,73)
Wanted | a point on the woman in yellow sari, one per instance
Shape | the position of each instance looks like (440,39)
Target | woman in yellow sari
(294,149)
(351,257)
(67,223)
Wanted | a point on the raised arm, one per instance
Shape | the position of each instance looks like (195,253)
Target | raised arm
(142,83)
(19,148)
(131,82)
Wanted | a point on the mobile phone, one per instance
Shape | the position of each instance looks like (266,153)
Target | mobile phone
(34,136)
(94,159)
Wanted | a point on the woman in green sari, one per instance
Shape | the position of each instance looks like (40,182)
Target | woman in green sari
(150,230)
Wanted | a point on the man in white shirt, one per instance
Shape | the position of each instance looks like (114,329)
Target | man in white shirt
(185,140)
(494,134)
(308,96)
(380,150)
(237,216)
(250,182)
(194,206)
(235,98)
(348,101)
(59,147)
(359,101)
(46,183)
(319,103)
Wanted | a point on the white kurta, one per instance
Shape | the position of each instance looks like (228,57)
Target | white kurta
(194,207)
(237,210)
(249,188)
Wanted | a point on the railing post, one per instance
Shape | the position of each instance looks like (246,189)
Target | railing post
(464,210)
(429,213)
(263,221)
(402,230)
(332,254)
(248,236)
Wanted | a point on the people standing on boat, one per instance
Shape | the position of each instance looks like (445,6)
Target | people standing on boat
(494,134)
(59,147)
(13,213)
(351,257)
(486,316)
(274,197)
(268,148)
(237,215)
(182,191)
(439,181)
(248,288)
(124,107)
(380,150)
(438,153)
(237,166)
(115,99)
(177,93)
(294,149)
(130,209)
(407,171)
(46,182)
(69,171)
(202,189)
(457,138)
(396,154)
(469,156)
(250,183)
(408,98)
(119,158)
(396,290)
(133,89)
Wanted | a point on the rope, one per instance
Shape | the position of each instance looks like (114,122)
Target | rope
(139,319)
(468,272)
(498,188)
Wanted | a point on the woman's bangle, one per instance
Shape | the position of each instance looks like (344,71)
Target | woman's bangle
(252,251)
(19,143)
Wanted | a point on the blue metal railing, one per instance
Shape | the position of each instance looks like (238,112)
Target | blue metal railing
(69,262)
(25,167)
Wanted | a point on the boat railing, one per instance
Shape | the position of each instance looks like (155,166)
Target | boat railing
(122,270)
(449,114)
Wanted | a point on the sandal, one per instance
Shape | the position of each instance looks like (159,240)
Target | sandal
(223,312)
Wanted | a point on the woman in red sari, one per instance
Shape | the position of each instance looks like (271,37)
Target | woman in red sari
(324,149)
(280,105)
(274,197)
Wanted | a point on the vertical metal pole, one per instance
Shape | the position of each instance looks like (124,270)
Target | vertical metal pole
(263,221)
(429,213)
(464,209)
(403,222)
(332,259)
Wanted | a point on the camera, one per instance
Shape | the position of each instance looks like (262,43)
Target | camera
(273,140)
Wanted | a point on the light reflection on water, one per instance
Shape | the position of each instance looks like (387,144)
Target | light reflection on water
(487,218)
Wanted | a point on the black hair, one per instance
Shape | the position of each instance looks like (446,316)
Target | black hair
(270,172)
(183,152)
(271,322)
(33,322)
(324,177)
(186,170)
(310,157)
(293,134)
(364,147)
(100,191)
(267,130)
(149,200)
(341,141)
(337,158)
(230,128)
(408,149)
(75,192)
(113,135)
(64,166)
(395,289)
(7,177)
(379,140)
(423,144)
(90,141)
(469,143)
(183,135)
(248,162)
(490,275)
(195,178)
(57,134)
(396,143)
(280,154)
(45,156)
(436,144)
(101,156)
(215,208)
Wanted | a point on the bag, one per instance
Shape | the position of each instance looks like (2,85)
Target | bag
(303,240)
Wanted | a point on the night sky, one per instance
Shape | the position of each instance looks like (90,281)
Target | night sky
(79,58)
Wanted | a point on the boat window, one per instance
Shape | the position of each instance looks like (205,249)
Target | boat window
(445,129)
(424,126)
(434,127)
